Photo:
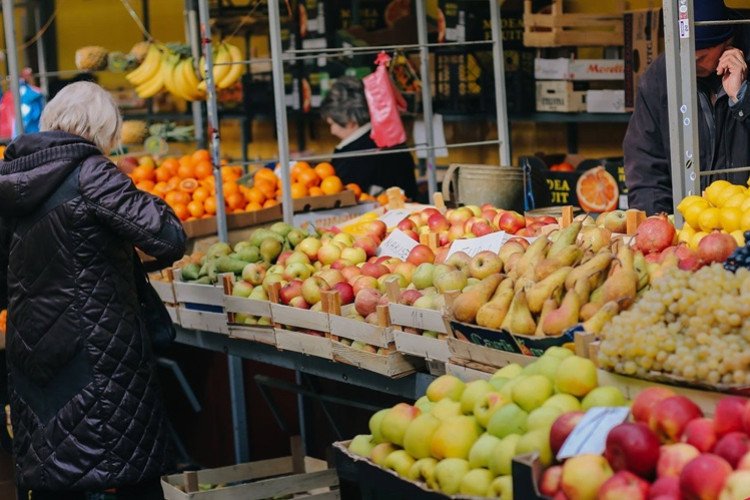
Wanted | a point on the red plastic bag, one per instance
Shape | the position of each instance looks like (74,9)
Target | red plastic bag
(385,103)
(7,115)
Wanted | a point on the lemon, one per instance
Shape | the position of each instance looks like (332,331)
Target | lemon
(686,233)
(697,237)
(709,219)
(711,193)
(745,221)
(738,237)
(730,218)
(727,193)
(736,200)
(693,212)
(690,200)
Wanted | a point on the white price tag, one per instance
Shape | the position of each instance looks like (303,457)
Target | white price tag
(393,217)
(397,245)
(590,435)
(473,246)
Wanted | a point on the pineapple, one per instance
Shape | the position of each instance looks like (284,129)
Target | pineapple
(139,51)
(92,58)
(134,131)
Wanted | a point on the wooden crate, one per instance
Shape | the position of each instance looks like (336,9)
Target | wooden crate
(254,333)
(191,293)
(293,476)
(487,356)
(252,307)
(303,343)
(300,318)
(469,370)
(380,335)
(393,364)
(556,28)
(200,307)
(414,317)
(423,347)
(207,321)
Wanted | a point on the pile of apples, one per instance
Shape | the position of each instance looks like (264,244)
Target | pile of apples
(461,438)
(669,452)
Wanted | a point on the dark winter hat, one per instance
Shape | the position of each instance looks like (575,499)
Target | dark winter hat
(710,36)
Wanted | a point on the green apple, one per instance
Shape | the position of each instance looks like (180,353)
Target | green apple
(445,386)
(531,392)
(487,406)
(422,277)
(508,371)
(423,470)
(454,437)
(507,389)
(362,445)
(502,454)
(419,433)
(479,455)
(424,404)
(400,461)
(536,440)
(564,402)
(476,482)
(380,452)
(510,419)
(394,423)
(603,396)
(473,392)
(531,369)
(374,425)
(576,376)
(446,408)
(430,334)
(543,417)
(547,366)
(558,352)
(502,488)
(449,473)
(498,382)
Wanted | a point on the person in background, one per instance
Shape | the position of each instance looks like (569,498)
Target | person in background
(86,407)
(345,110)
(721,54)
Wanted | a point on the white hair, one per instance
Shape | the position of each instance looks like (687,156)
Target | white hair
(87,110)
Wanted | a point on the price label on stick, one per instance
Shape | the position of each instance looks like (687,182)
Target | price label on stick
(590,435)
(473,246)
(393,217)
(397,244)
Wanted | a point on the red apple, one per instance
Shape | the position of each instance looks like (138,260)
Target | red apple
(441,255)
(437,222)
(368,244)
(489,213)
(546,220)
(363,282)
(416,219)
(350,272)
(646,400)
(412,234)
(511,221)
(366,301)
(340,264)
(281,259)
(700,433)
(703,477)
(673,457)
(728,415)
(456,232)
(374,270)
(346,291)
(299,302)
(469,224)
(487,206)
(127,164)
(407,225)
(376,228)
(290,290)
(485,264)
(420,254)
(331,276)
(460,260)
(405,269)
(532,230)
(670,417)
(624,485)
(523,242)
(408,297)
(459,216)
(482,227)
(427,213)
(633,447)
(665,488)
(732,447)
(551,479)
(562,427)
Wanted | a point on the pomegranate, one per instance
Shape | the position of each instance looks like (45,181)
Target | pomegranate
(688,259)
(716,247)
(655,234)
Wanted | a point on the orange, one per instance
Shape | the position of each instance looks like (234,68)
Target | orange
(235,201)
(171,164)
(185,171)
(270,203)
(265,174)
(298,168)
(315,191)
(382,199)
(324,170)
(177,198)
(354,187)
(173,183)
(163,174)
(196,208)
(210,205)
(255,195)
(203,169)
(366,197)
(200,194)
(253,206)
(331,185)
(142,173)
(230,187)
(309,178)
(188,185)
(201,155)
(181,211)
(230,174)
(185,160)
(299,190)
(267,188)
(146,185)
(161,188)
(597,191)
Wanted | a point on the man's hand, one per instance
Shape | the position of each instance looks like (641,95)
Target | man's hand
(733,69)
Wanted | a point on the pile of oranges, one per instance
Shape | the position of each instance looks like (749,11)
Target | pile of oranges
(188,186)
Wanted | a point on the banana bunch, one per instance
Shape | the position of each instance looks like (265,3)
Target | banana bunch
(226,68)
(148,77)
(180,78)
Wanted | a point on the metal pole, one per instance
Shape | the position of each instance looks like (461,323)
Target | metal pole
(193,38)
(9,21)
(282,136)
(41,58)
(424,56)
(501,103)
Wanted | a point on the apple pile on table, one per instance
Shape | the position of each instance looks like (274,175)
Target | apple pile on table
(670,451)
(461,438)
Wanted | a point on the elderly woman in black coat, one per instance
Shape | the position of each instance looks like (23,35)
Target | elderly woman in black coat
(85,404)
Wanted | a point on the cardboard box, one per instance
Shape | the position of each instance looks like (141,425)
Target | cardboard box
(559,96)
(564,68)
(644,41)
(605,101)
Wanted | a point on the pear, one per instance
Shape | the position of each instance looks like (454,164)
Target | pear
(566,257)
(641,267)
(519,319)
(622,284)
(506,284)
(262,234)
(537,293)
(589,310)
(467,304)
(295,236)
(548,306)
(281,228)
(270,248)
(596,322)
(492,314)
(565,238)
(250,253)
(536,249)
(564,317)
(598,263)
(218,249)
(582,287)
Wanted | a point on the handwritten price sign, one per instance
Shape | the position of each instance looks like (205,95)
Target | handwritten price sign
(393,217)
(473,246)
(397,245)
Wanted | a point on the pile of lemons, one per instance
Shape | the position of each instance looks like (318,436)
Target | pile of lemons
(723,206)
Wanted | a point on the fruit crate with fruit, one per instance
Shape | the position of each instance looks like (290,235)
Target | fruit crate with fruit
(248,318)
(342,199)
(239,220)
(201,306)
(162,282)
(550,26)
(294,476)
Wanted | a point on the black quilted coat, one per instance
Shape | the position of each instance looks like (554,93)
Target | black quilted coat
(85,403)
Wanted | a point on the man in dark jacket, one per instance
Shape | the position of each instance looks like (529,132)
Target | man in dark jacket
(722,53)
(86,408)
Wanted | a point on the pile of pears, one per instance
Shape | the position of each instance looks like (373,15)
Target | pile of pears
(262,247)
(552,286)
(460,438)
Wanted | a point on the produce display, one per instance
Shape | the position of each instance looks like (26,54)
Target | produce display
(723,207)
